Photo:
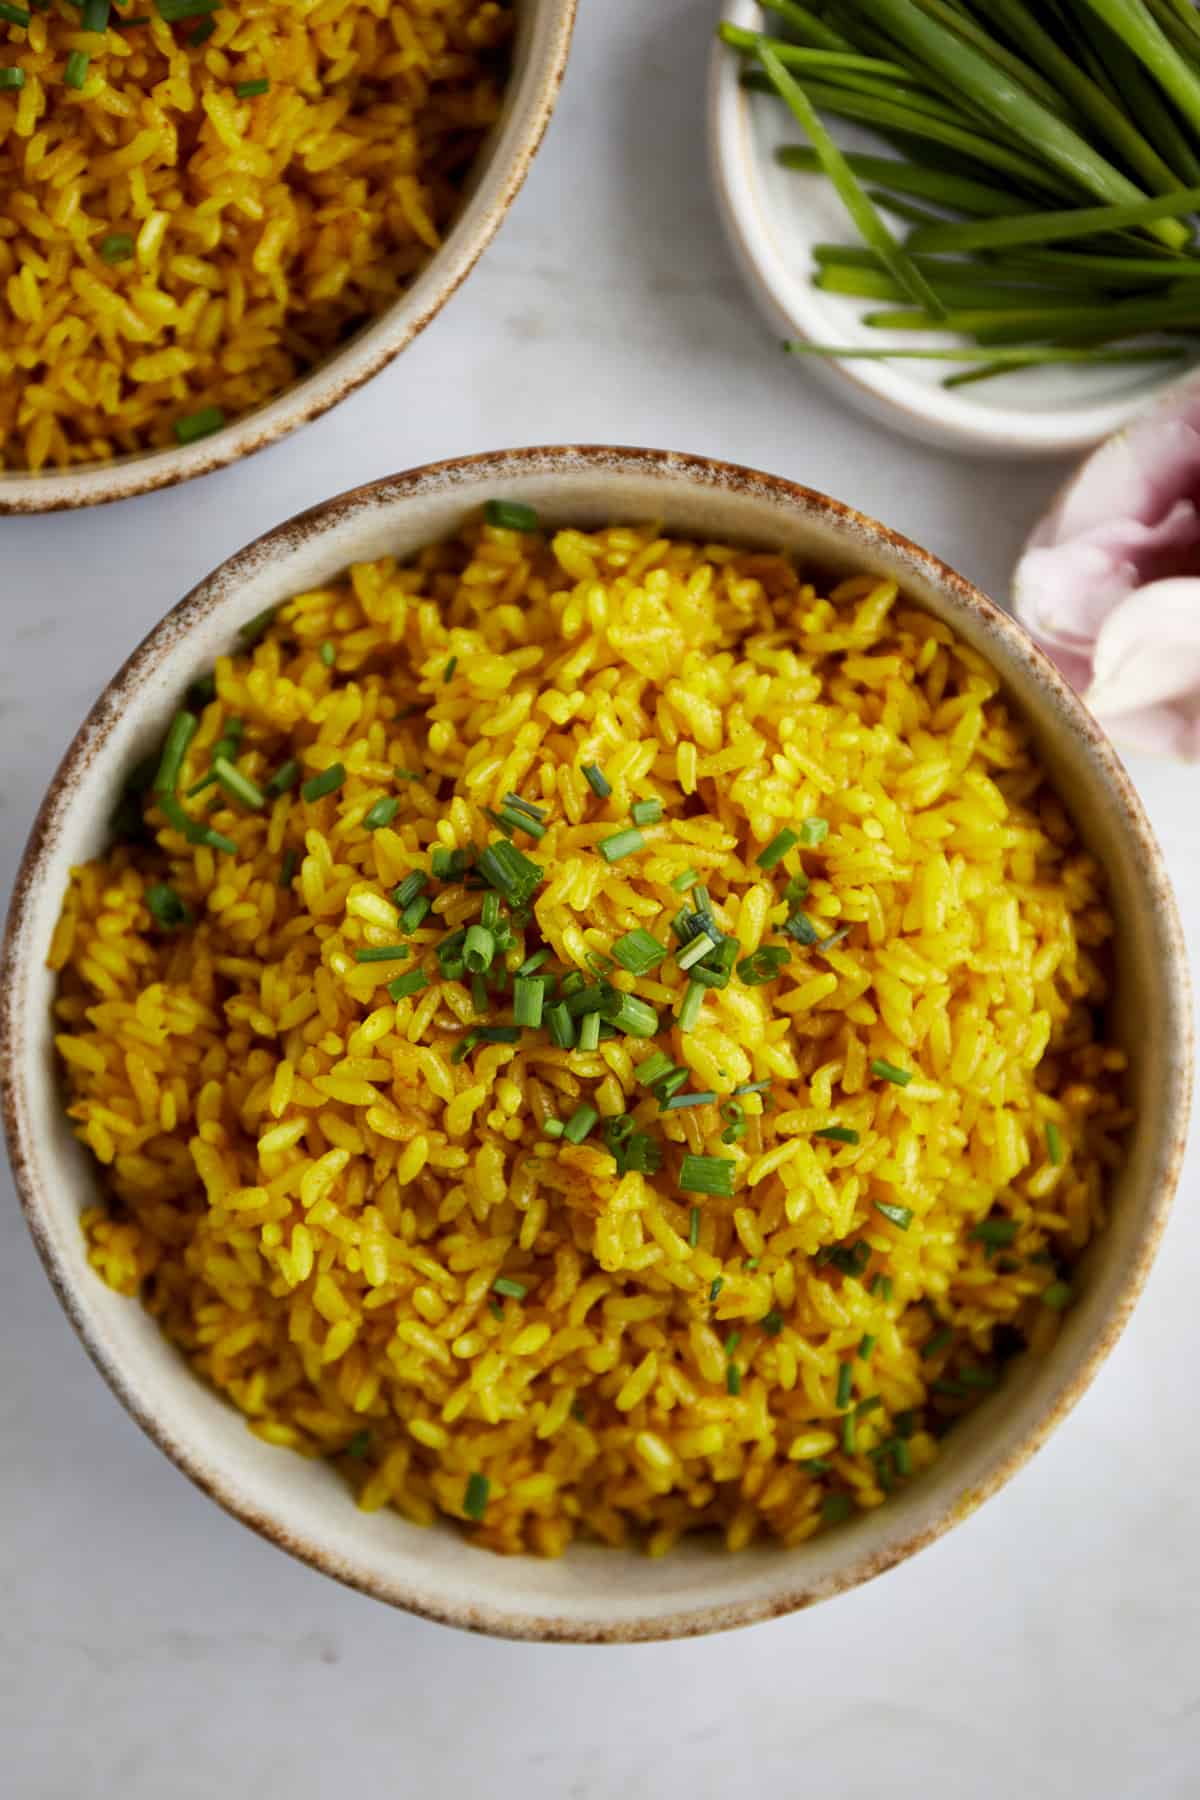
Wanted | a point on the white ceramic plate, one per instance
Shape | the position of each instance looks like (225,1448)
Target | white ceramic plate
(774,216)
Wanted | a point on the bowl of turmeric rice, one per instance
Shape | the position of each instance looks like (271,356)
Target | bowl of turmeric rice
(594,1043)
(217,221)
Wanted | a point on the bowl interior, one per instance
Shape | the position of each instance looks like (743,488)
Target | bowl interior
(592,1593)
(543,35)
(775,216)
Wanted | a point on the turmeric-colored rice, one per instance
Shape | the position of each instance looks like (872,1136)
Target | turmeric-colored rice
(174,251)
(347,1211)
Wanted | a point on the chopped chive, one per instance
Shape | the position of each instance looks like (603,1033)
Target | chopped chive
(199,36)
(699,947)
(694,1227)
(359,1444)
(1054,1146)
(448,671)
(670,1084)
(887,1071)
(901,1456)
(1057,1296)
(816,1465)
(14,15)
(327,782)
(849,1435)
(732,1342)
(777,849)
(837,1134)
(996,1231)
(552,1128)
(953,1389)
(636,1018)
(165,906)
(589,1031)
(510,515)
(75,73)
(978,1378)
(751,1087)
(734,1115)
(683,882)
(118,246)
(414,913)
(534,962)
(677,1102)
(905,1423)
(594,777)
(287,868)
(580,1123)
(95,15)
(496,1309)
(525,806)
(845,1383)
(478,1486)
(381,813)
(405,986)
(198,424)
(773,1323)
(479,950)
(561,1027)
(247,90)
(653,1068)
(638,952)
(464,1047)
(707,1175)
(693,1000)
(937,1342)
(415,775)
(499,1034)
(718,1282)
(528,996)
(180,733)
(512,1290)
(836,1509)
(641,1153)
(801,927)
(814,832)
(238,786)
(866,1346)
(510,872)
(646,812)
(887,1290)
(621,843)
(379,953)
(763,965)
(479,994)
(899,1216)
(327,654)
(509,819)
(175,10)
(414,883)
(284,779)
(871,1404)
(733,1379)
(835,937)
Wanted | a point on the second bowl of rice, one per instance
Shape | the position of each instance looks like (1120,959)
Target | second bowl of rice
(625,1018)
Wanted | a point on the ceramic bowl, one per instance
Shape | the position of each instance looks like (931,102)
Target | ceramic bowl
(773,217)
(593,1594)
(543,37)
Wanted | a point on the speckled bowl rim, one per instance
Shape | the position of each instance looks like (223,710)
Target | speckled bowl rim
(494,183)
(475,475)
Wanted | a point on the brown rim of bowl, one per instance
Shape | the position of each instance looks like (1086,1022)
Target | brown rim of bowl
(89,742)
(341,374)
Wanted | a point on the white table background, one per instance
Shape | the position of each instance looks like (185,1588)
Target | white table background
(151,1648)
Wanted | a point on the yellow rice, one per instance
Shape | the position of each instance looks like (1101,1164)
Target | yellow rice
(314,1198)
(264,230)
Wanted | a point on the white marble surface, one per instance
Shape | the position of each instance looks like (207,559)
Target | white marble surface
(150,1647)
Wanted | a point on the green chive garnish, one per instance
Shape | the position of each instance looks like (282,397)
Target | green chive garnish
(95,15)
(694,1227)
(683,882)
(589,1031)
(763,965)
(180,733)
(718,1282)
(845,1384)
(707,1175)
(580,1123)
(414,883)
(512,1290)
(414,913)
(693,1000)
(15,78)
(377,953)
(247,90)
(995,1232)
(653,1068)
(288,867)
(777,849)
(478,1486)
(733,1379)
(837,1134)
(814,832)
(899,1216)
(638,952)
(751,1087)
(510,872)
(499,1034)
(937,1342)
(646,812)
(528,997)
(1054,1145)
(199,424)
(165,906)
(113,249)
(887,1071)
(175,10)
(479,950)
(359,1444)
(405,986)
(14,15)
(678,1102)
(596,781)
(448,671)
(552,1128)
(238,786)
(327,782)
(510,515)
(534,962)
(836,1509)
(621,843)
(561,1027)
(1057,1296)
(866,1346)
(801,927)
(284,778)
(636,1018)
(381,813)
(773,1323)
